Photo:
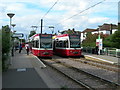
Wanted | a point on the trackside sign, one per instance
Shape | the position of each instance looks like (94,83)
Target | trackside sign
(99,43)
(18,35)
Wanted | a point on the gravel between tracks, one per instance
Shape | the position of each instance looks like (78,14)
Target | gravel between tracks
(109,75)
(60,79)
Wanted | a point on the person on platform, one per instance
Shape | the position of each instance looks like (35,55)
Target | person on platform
(27,48)
(97,49)
(20,48)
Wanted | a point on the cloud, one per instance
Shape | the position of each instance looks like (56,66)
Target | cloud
(29,12)
(98,20)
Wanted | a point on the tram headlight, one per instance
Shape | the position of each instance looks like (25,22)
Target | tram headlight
(70,51)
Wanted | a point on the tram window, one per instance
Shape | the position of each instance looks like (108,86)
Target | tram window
(32,43)
(57,44)
(60,44)
(65,44)
(37,44)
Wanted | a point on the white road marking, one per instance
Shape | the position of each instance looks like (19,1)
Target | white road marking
(100,59)
(40,61)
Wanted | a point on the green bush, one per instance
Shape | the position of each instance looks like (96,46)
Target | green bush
(5,46)
(113,40)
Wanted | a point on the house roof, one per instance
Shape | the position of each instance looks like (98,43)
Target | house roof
(105,26)
(89,30)
(108,27)
(70,31)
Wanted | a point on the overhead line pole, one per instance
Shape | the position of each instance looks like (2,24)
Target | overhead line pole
(41,25)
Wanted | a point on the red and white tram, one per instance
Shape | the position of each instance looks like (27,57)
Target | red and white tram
(67,45)
(41,45)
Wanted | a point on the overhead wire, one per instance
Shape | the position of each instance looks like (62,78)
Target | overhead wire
(50,9)
(83,11)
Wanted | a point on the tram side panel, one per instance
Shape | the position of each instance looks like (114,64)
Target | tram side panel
(42,53)
(67,52)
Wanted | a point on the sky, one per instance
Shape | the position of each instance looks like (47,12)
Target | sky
(29,13)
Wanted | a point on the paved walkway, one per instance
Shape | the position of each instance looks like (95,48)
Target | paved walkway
(26,72)
(105,58)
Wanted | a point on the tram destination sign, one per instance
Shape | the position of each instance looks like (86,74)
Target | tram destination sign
(18,35)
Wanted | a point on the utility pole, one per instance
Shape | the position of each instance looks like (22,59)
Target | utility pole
(99,42)
(41,25)
(10,16)
(110,28)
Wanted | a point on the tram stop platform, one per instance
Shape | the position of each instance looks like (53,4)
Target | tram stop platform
(26,71)
(104,58)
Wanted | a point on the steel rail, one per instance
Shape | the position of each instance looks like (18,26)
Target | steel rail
(106,63)
(75,80)
(99,64)
(92,75)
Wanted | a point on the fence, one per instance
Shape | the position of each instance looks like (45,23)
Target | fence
(106,51)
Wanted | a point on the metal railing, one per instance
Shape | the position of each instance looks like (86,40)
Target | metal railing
(105,51)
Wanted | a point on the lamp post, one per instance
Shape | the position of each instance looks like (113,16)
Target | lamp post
(10,15)
(13,39)
(34,27)
(13,26)
(52,29)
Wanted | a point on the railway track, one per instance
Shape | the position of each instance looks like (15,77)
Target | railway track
(83,85)
(103,65)
(87,80)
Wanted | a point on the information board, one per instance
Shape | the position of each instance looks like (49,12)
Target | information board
(99,43)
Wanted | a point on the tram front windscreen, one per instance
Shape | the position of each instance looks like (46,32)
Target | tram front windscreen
(74,41)
(46,41)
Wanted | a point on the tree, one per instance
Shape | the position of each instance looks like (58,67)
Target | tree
(108,42)
(113,40)
(69,31)
(5,45)
(32,33)
(116,39)
(6,39)
(91,39)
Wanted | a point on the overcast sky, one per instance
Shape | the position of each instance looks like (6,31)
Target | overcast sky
(29,13)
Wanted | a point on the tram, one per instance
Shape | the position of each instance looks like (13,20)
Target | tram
(41,45)
(67,45)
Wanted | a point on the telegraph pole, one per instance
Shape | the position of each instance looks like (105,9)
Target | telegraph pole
(41,25)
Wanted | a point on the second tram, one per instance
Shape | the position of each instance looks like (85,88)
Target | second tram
(67,45)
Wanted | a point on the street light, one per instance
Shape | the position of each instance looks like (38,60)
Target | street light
(13,41)
(52,29)
(10,16)
(13,27)
(34,27)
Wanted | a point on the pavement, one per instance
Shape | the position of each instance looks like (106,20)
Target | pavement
(104,58)
(26,71)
